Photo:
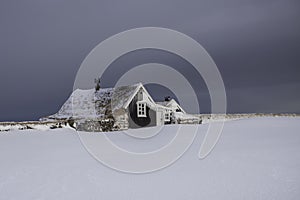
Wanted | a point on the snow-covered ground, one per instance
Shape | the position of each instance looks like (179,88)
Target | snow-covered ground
(256,158)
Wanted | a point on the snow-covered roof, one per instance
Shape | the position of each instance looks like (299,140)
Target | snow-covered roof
(79,103)
(123,95)
(82,103)
(170,104)
(162,103)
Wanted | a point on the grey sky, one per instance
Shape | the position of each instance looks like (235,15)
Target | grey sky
(255,44)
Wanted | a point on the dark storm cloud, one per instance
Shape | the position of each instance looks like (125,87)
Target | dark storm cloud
(255,44)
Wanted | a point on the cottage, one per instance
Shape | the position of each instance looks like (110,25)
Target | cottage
(106,109)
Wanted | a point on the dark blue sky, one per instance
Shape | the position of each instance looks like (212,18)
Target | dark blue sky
(255,44)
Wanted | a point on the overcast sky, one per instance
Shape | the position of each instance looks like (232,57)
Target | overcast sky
(255,44)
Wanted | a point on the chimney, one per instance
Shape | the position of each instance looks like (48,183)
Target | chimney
(167,98)
(97,86)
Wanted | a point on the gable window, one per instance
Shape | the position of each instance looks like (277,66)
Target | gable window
(178,109)
(141,109)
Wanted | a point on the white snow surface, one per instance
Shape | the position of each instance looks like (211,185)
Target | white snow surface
(255,158)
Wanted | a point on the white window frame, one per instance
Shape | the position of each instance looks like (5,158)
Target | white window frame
(141,109)
(167,116)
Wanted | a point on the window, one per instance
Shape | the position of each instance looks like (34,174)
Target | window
(167,115)
(141,109)
(178,109)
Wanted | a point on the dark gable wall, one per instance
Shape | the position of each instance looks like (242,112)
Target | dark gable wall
(138,122)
